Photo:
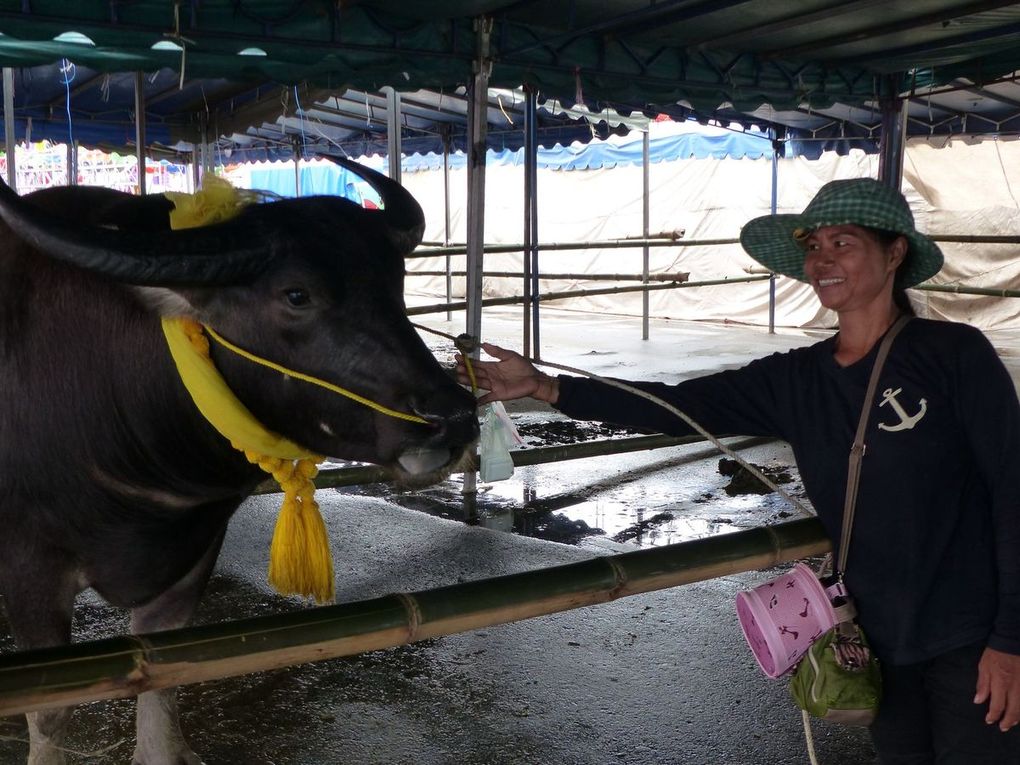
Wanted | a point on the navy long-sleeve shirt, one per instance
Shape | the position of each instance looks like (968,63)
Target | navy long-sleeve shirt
(934,561)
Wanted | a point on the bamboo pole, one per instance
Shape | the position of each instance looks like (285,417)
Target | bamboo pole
(679,276)
(609,244)
(332,478)
(976,238)
(125,666)
(664,235)
(962,290)
(956,289)
(515,299)
(640,242)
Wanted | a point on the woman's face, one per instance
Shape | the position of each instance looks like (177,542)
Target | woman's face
(850,269)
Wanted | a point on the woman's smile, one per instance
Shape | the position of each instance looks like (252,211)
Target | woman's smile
(848,266)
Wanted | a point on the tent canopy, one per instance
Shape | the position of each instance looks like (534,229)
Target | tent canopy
(817,68)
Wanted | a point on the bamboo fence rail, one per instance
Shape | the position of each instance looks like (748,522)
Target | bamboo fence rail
(547,296)
(959,289)
(609,244)
(331,478)
(976,238)
(660,236)
(128,665)
(679,276)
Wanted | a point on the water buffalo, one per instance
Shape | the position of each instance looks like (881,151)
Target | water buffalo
(110,478)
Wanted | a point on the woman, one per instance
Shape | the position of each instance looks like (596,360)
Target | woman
(934,564)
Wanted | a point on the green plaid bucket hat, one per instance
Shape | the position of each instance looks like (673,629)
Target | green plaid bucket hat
(776,241)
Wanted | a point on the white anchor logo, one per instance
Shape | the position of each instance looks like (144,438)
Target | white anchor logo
(906,421)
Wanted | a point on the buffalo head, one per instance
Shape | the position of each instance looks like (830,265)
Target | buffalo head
(314,285)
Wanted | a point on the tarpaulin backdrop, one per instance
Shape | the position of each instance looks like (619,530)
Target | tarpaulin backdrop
(954,187)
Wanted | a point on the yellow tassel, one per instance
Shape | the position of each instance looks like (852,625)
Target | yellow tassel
(299,558)
(300,561)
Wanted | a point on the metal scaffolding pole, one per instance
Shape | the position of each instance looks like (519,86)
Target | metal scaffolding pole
(775,201)
(446,211)
(645,217)
(393,121)
(72,163)
(531,344)
(477,139)
(198,153)
(893,138)
(10,136)
(140,129)
(478,103)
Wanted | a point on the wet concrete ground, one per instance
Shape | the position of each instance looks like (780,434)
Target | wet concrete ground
(660,678)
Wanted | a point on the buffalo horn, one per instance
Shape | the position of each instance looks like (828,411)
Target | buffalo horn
(219,254)
(401,213)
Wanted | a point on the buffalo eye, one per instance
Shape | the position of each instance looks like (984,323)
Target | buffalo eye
(297,297)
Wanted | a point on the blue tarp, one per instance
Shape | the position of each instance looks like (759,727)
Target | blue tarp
(332,180)
(337,181)
(598,154)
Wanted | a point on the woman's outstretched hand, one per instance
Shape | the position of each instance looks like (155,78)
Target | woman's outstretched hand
(510,376)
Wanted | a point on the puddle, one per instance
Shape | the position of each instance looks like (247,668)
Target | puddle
(644,498)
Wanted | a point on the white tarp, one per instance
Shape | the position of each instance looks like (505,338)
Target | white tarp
(953,186)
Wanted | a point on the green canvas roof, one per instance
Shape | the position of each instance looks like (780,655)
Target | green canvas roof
(807,54)
(247,68)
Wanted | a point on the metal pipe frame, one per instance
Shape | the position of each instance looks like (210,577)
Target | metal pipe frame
(10,132)
(140,129)
(446,215)
(475,250)
(532,330)
(393,122)
(893,135)
(645,217)
(773,206)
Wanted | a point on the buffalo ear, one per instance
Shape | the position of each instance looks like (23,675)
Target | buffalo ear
(167,302)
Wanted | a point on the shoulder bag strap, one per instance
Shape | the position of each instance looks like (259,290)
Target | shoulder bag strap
(857,450)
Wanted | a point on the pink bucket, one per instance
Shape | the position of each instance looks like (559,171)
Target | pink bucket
(782,617)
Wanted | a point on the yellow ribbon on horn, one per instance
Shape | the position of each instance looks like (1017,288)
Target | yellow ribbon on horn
(215,202)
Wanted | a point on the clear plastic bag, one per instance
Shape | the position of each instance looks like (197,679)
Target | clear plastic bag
(498,433)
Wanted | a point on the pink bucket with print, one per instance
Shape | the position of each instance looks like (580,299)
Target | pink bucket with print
(782,617)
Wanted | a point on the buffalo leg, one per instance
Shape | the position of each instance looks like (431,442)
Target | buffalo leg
(159,737)
(39,602)
(46,733)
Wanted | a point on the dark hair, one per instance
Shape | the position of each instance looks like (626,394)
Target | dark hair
(899,293)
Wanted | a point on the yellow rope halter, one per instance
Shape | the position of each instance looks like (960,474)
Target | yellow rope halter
(300,562)
(313,380)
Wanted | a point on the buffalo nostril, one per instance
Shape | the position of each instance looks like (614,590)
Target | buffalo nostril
(458,428)
(451,415)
